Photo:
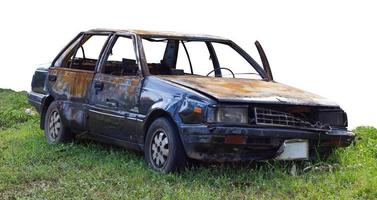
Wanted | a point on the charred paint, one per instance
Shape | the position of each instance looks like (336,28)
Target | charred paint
(121,89)
(249,90)
(70,83)
(170,34)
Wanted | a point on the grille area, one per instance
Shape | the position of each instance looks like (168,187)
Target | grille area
(264,116)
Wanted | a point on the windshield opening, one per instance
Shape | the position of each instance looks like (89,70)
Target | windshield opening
(200,58)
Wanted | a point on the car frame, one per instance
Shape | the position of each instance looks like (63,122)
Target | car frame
(174,118)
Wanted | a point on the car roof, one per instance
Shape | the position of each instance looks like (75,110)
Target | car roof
(159,34)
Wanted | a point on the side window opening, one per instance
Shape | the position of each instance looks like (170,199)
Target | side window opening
(184,59)
(121,60)
(199,56)
(63,57)
(84,53)
(155,52)
(169,57)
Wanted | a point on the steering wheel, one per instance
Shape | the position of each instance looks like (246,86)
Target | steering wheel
(222,68)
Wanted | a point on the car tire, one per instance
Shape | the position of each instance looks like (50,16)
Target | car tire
(163,150)
(54,127)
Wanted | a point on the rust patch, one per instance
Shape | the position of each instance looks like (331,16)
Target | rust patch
(71,83)
(122,88)
(248,89)
(161,33)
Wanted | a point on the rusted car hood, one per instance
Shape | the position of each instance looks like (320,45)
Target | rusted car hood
(249,90)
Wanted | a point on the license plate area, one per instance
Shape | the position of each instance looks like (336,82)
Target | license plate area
(296,149)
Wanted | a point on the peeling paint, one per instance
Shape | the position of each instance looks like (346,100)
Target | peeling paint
(71,83)
(249,90)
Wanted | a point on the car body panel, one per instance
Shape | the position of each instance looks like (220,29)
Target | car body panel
(250,90)
(111,107)
(70,84)
(170,34)
(211,144)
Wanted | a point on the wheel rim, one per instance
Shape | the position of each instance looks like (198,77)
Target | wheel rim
(160,148)
(54,125)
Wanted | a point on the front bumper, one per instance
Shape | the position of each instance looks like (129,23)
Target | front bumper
(225,143)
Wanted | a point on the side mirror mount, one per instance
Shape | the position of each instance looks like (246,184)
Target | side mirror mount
(265,63)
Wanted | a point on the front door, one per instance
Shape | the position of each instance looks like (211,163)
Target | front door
(114,95)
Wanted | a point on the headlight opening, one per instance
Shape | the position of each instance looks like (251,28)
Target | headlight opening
(228,115)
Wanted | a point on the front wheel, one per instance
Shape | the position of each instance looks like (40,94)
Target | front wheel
(163,150)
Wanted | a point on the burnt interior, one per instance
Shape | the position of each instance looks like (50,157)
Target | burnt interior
(127,67)
(82,64)
(167,65)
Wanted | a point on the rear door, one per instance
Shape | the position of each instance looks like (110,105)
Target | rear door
(71,75)
(115,92)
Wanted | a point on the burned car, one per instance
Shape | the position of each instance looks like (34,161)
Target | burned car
(178,97)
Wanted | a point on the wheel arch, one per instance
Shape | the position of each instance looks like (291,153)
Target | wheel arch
(46,103)
(157,113)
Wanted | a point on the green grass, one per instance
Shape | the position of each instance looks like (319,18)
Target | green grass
(32,169)
(12,108)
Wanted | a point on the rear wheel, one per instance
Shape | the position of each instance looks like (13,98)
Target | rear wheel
(55,130)
(163,150)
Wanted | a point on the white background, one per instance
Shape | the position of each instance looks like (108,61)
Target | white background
(328,48)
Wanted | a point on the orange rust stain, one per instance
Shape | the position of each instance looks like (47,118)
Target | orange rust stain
(242,88)
(122,87)
(134,83)
(72,83)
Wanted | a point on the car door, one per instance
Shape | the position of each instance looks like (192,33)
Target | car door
(115,92)
(71,75)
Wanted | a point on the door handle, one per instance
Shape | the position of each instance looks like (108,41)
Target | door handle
(98,85)
(52,77)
